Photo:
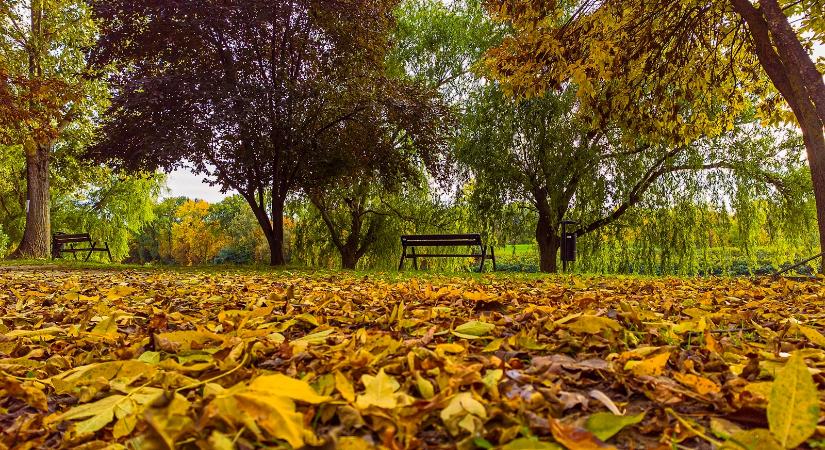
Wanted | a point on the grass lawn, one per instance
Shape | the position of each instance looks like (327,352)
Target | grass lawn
(249,358)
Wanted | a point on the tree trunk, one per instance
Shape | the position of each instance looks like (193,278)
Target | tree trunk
(36,236)
(549,244)
(794,75)
(349,257)
(815,149)
(276,243)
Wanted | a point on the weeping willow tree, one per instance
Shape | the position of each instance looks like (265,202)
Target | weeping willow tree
(111,207)
(752,220)
(543,153)
(414,209)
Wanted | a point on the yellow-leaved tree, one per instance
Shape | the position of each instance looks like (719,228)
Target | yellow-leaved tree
(672,70)
(195,239)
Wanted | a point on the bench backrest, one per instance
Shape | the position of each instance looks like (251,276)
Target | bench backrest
(61,238)
(440,240)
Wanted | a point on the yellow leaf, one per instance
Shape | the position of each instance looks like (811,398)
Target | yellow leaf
(711,344)
(813,335)
(475,328)
(175,341)
(80,376)
(653,366)
(284,386)
(463,412)
(442,349)
(107,327)
(793,407)
(593,324)
(267,403)
(381,392)
(344,386)
(701,385)
(756,439)
(493,346)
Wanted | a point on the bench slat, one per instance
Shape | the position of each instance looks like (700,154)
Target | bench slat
(444,243)
(71,236)
(443,255)
(441,236)
(71,240)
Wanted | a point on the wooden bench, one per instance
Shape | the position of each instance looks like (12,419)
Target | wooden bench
(444,240)
(65,243)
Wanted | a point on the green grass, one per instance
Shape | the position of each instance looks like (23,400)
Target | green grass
(390,275)
(517,250)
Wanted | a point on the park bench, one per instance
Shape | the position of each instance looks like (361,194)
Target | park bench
(444,240)
(66,243)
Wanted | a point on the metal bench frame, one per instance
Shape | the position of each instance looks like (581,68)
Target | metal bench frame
(65,243)
(444,240)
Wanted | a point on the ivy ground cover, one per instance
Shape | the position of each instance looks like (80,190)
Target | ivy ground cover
(163,359)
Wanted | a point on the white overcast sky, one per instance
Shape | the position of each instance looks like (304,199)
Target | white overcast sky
(184,183)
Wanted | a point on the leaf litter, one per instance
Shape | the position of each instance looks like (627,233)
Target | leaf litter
(163,359)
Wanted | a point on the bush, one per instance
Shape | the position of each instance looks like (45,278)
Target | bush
(234,255)
(4,243)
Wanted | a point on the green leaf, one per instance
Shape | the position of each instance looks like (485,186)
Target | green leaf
(605,425)
(793,407)
(475,328)
(756,439)
(530,444)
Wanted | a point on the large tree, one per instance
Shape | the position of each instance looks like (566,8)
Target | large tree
(541,152)
(46,97)
(662,68)
(244,91)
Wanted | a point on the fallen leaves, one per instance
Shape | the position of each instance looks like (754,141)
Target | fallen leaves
(155,359)
(793,408)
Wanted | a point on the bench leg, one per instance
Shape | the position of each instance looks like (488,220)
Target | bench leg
(108,252)
(403,256)
(91,250)
(415,259)
(493,257)
(483,254)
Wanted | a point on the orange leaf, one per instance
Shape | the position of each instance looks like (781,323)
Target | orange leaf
(575,438)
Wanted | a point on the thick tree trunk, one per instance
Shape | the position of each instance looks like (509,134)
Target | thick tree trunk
(794,75)
(815,149)
(549,244)
(36,236)
(349,257)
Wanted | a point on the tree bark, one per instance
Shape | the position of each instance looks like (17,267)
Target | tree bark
(273,227)
(276,244)
(349,258)
(794,75)
(548,243)
(36,236)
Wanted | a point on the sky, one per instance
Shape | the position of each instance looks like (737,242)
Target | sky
(182,182)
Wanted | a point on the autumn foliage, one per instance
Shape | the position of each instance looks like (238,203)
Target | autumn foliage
(156,359)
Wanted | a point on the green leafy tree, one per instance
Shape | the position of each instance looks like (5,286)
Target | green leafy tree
(49,97)
(540,152)
(112,208)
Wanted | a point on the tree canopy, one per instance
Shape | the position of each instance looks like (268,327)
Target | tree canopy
(672,70)
(251,94)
